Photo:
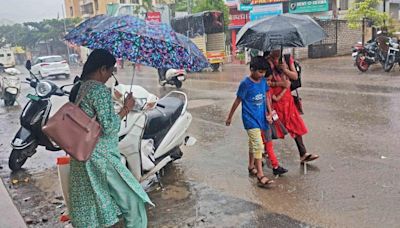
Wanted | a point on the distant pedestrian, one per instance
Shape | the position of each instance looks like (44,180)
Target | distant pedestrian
(28,64)
(251,93)
(285,107)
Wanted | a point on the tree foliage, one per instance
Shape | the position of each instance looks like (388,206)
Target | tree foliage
(204,5)
(366,9)
(29,34)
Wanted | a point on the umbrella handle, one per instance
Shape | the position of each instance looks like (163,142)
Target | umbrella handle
(281,56)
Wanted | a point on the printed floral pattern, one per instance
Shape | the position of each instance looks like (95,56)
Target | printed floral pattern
(149,43)
(91,201)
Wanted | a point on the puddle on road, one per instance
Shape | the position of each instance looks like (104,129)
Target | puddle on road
(200,103)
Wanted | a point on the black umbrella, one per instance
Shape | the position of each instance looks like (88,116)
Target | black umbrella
(287,30)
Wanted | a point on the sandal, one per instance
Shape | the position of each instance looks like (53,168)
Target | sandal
(308,158)
(265,184)
(252,171)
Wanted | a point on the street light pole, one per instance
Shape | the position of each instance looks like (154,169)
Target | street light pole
(65,30)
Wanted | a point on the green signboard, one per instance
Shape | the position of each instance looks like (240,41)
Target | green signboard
(308,6)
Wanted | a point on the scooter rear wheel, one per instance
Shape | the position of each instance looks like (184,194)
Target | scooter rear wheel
(177,83)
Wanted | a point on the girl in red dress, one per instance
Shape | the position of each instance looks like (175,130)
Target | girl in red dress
(285,106)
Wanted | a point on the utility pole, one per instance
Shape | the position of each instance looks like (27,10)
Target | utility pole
(190,5)
(65,30)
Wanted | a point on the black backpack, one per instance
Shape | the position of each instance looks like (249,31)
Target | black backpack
(295,84)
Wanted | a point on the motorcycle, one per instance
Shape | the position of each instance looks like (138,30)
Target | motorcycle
(10,87)
(392,55)
(34,115)
(365,56)
(152,134)
(172,77)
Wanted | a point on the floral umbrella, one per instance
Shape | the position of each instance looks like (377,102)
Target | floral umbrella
(149,43)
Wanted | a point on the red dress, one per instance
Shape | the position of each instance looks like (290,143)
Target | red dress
(287,111)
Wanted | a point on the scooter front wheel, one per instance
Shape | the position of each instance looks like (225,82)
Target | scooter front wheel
(17,160)
(18,157)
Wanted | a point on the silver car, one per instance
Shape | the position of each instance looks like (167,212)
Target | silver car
(53,65)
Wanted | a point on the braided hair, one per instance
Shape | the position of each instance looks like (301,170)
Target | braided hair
(97,59)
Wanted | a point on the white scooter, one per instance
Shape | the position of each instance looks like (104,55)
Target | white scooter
(10,86)
(172,77)
(152,134)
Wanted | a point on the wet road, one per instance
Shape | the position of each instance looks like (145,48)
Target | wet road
(353,125)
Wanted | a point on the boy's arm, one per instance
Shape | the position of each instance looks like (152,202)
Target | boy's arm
(277,98)
(235,104)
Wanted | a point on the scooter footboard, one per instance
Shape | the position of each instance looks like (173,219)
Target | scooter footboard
(175,136)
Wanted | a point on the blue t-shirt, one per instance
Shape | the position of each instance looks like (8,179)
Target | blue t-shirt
(252,95)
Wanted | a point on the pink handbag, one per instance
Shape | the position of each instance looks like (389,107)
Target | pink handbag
(73,131)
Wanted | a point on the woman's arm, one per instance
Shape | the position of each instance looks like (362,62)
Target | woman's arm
(289,70)
(283,84)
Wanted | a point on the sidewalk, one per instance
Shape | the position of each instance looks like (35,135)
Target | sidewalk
(9,214)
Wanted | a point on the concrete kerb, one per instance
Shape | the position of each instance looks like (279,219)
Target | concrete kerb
(10,216)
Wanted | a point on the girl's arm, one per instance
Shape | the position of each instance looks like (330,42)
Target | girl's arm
(277,98)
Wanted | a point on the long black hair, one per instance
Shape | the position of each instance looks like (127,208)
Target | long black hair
(97,59)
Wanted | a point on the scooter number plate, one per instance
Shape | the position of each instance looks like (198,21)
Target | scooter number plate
(33,97)
(181,78)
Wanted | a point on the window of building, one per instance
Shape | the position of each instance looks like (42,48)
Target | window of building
(96,5)
(71,11)
(122,1)
(344,5)
(87,8)
(135,1)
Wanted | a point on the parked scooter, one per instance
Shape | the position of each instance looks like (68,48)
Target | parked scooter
(171,76)
(33,117)
(10,87)
(152,134)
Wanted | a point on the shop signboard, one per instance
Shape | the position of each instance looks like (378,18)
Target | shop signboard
(237,18)
(261,11)
(244,5)
(308,6)
(260,2)
(153,16)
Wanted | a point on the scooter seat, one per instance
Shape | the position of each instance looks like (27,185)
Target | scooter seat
(161,119)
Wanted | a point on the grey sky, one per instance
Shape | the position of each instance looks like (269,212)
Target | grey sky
(30,10)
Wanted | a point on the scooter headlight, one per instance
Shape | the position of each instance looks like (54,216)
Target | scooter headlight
(43,89)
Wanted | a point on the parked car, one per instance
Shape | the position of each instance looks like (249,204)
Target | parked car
(53,65)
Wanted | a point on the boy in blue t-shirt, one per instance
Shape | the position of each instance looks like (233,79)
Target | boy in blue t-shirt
(251,94)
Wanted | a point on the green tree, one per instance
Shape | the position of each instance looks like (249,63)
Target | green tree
(204,5)
(366,9)
(31,33)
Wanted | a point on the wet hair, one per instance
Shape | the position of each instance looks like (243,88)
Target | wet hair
(268,73)
(96,60)
(258,63)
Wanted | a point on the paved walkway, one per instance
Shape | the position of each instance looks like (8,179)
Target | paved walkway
(9,214)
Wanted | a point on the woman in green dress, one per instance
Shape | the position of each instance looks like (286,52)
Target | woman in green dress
(102,190)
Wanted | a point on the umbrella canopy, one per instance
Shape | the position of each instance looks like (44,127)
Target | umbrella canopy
(149,43)
(287,30)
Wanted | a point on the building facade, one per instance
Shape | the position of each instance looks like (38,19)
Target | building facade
(90,8)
